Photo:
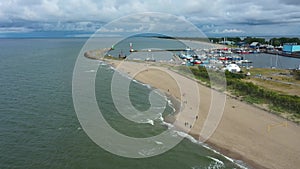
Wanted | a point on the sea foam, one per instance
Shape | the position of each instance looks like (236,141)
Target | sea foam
(91,71)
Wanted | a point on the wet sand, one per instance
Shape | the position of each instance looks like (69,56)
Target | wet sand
(245,132)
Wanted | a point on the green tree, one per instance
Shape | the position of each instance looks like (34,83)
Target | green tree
(249,40)
(283,40)
(234,39)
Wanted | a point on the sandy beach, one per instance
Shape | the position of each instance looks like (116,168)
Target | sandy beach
(245,132)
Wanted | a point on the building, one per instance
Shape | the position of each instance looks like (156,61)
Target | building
(241,44)
(291,48)
(254,45)
(232,68)
(227,42)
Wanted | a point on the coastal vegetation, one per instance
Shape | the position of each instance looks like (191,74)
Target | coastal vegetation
(236,40)
(287,106)
(283,40)
(283,81)
(249,40)
(296,74)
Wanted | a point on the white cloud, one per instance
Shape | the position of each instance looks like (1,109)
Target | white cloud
(14,30)
(153,23)
(224,14)
(232,31)
(104,30)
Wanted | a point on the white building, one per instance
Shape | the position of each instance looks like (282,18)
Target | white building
(233,68)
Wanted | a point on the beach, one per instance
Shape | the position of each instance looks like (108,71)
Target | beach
(244,132)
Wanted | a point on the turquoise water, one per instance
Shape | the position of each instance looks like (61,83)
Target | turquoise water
(39,127)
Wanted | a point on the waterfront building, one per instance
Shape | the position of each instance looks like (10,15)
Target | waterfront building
(291,48)
(254,45)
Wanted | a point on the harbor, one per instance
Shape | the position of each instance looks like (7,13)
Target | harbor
(216,58)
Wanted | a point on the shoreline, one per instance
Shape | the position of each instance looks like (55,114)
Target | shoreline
(236,158)
(194,138)
(232,148)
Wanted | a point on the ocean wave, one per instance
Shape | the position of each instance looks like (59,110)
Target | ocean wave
(161,118)
(102,63)
(169,125)
(148,152)
(240,164)
(158,108)
(149,87)
(216,165)
(91,71)
(185,135)
(112,68)
(216,160)
(171,105)
(143,84)
(150,121)
(158,142)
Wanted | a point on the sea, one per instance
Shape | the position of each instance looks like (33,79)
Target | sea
(39,127)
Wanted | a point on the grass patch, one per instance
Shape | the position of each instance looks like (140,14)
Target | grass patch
(268,71)
(276,109)
(253,100)
(249,91)
(112,58)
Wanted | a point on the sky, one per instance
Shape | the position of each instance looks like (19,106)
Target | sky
(215,18)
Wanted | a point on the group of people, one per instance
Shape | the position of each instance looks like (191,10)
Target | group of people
(190,125)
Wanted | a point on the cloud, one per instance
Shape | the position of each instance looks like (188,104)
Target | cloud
(51,26)
(14,30)
(232,31)
(292,2)
(152,22)
(87,14)
(113,30)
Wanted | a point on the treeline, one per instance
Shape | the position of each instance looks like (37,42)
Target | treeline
(249,40)
(283,40)
(248,89)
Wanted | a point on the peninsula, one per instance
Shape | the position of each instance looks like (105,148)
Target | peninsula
(245,132)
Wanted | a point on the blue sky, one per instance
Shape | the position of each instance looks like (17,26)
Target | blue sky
(214,18)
